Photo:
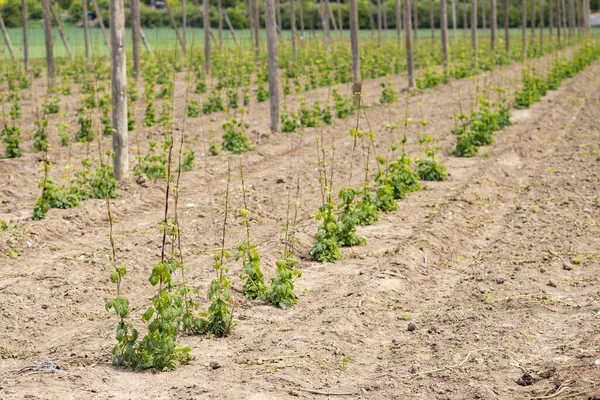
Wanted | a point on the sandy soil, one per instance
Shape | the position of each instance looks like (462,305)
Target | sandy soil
(467,291)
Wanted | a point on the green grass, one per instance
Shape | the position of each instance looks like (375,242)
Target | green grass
(165,39)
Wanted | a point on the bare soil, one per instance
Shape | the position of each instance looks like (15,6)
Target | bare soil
(468,290)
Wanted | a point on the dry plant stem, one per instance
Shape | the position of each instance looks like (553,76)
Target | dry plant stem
(112,243)
(460,364)
(220,274)
(245,207)
(325,393)
(359,96)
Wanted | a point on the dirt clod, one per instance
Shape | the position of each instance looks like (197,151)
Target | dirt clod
(411,327)
(525,380)
(215,365)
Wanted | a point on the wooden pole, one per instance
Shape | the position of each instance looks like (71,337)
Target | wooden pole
(101,21)
(410,66)
(416,23)
(61,32)
(293,26)
(465,19)
(220,21)
(524,27)
(571,18)
(176,28)
(432,22)
(48,39)
(398,23)
(385,21)
(86,31)
(207,37)
(135,37)
(325,19)
(379,22)
(118,74)
(230,26)
(533,25)
(272,63)
(7,38)
(483,17)
(356,76)
(279,24)
(506,27)
(454,26)
(542,24)
(444,27)
(558,21)
(371,20)
(493,24)
(184,24)
(474,32)
(340,21)
(256,28)
(302,18)
(145,41)
(24,18)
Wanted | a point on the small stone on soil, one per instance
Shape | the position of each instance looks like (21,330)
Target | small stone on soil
(500,280)
(551,283)
(525,380)
(215,365)
(411,327)
(567,267)
(280,180)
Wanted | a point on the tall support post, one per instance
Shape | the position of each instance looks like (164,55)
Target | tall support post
(184,23)
(340,21)
(454,26)
(220,21)
(325,18)
(206,15)
(398,23)
(524,27)
(444,27)
(533,24)
(356,76)
(558,21)
(410,65)
(465,19)
(101,21)
(135,36)
(176,28)
(7,38)
(493,24)
(118,75)
(302,19)
(272,64)
(416,23)
(551,20)
(571,18)
(542,24)
(48,39)
(256,27)
(25,39)
(86,30)
(379,22)
(293,26)
(432,22)
(474,32)
(61,32)
(506,27)
(483,16)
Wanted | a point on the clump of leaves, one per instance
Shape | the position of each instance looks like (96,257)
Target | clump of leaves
(40,136)
(85,133)
(534,88)
(63,135)
(262,94)
(235,138)
(344,106)
(289,122)
(388,95)
(154,163)
(11,137)
(281,293)
(193,109)
(429,169)
(214,148)
(213,104)
(15,111)
(347,220)
(254,287)
(52,107)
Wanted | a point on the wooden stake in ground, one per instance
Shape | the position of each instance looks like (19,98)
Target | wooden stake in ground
(235,39)
(465,19)
(145,41)
(541,24)
(483,19)
(101,21)
(356,77)
(61,32)
(444,26)
(558,21)
(379,22)
(293,26)
(135,36)
(551,20)
(474,32)
(533,25)
(524,27)
(410,65)
(206,16)
(272,62)
(176,28)
(432,22)
(256,27)
(118,74)
(184,23)
(24,19)
(506,27)
(325,18)
(302,18)
(86,30)
(493,25)
(220,21)
(48,40)
(7,38)
(340,21)
(415,23)
(454,26)
(398,23)
(571,18)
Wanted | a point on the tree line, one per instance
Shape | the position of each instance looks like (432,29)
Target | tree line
(308,12)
